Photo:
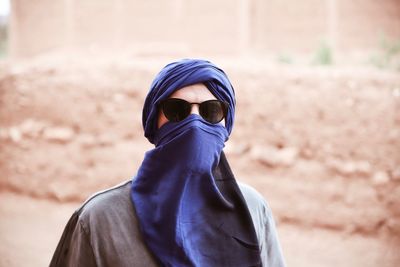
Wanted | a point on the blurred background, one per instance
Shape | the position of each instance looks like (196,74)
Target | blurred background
(317,130)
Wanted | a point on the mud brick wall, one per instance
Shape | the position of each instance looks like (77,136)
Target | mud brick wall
(211,27)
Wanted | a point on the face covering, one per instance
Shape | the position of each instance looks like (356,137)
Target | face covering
(184,217)
(189,206)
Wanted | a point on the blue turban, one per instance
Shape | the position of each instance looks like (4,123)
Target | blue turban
(184,73)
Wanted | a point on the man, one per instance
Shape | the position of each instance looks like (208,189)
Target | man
(184,206)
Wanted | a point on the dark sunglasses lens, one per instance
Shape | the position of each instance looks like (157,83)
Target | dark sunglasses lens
(213,111)
(175,109)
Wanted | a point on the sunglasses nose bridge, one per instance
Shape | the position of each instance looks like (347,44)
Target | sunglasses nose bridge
(194,108)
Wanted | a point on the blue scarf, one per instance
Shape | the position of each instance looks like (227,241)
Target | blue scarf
(189,206)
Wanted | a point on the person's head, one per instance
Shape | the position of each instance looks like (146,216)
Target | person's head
(194,81)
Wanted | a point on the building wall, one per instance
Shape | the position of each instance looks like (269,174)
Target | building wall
(190,26)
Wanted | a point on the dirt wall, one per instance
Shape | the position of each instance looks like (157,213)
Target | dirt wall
(212,28)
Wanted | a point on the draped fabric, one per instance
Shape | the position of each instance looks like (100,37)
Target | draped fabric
(190,209)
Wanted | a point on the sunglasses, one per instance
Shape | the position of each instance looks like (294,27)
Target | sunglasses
(176,109)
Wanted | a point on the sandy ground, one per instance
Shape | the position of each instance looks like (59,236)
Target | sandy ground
(321,144)
(31,229)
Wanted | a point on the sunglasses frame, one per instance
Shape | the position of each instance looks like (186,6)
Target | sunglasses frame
(223,104)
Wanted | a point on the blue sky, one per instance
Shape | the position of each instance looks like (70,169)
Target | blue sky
(4,7)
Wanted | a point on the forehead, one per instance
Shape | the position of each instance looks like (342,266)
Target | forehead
(193,93)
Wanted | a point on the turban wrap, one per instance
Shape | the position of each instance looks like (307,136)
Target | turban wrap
(184,73)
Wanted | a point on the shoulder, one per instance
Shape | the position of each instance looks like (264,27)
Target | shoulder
(107,203)
(99,229)
(254,199)
(257,205)
(250,192)
(271,252)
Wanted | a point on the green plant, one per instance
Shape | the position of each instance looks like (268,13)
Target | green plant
(324,54)
(285,58)
(388,55)
(3,40)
